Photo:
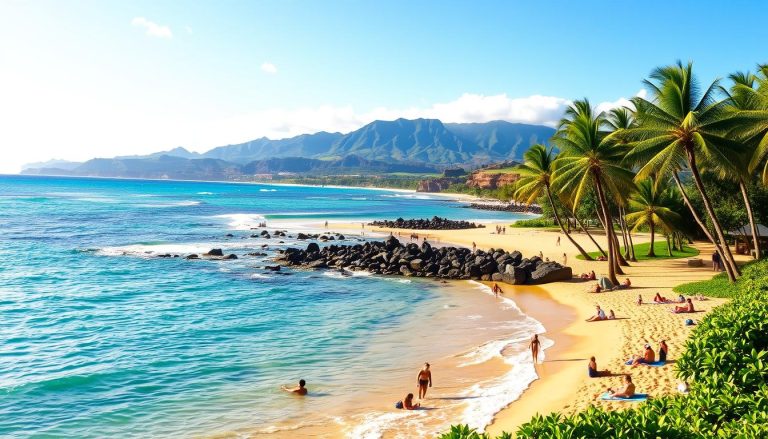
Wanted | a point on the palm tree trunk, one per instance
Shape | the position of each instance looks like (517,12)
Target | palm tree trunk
(632,256)
(584,254)
(669,246)
(623,233)
(711,212)
(619,257)
(651,249)
(755,237)
(578,221)
(731,275)
(608,231)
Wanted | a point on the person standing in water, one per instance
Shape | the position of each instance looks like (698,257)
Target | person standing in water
(423,380)
(535,344)
(301,390)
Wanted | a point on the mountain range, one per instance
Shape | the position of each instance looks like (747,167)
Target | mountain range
(402,145)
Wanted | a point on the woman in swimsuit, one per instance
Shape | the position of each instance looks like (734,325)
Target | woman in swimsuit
(408,402)
(535,348)
(592,369)
(423,380)
(663,351)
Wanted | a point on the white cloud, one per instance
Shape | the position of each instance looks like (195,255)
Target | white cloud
(268,67)
(621,102)
(151,28)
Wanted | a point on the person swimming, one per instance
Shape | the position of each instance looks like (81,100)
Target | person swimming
(300,390)
(423,379)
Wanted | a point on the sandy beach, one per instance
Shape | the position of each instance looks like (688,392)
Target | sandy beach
(563,384)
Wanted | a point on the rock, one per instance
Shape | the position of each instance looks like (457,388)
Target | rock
(496,277)
(192,256)
(320,263)
(215,252)
(436,223)
(313,247)
(230,256)
(302,236)
(550,272)
(515,276)
(416,264)
(229,235)
(272,267)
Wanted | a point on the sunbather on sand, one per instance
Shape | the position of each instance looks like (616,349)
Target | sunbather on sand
(592,369)
(658,298)
(688,307)
(648,357)
(611,315)
(627,391)
(599,315)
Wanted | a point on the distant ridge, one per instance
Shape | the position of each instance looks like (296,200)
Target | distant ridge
(420,143)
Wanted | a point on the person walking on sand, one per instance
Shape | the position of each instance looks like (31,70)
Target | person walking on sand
(474,247)
(558,241)
(423,379)
(535,344)
(565,259)
(301,390)
(497,289)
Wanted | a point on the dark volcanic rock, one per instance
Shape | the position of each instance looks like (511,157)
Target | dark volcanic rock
(390,257)
(436,223)
(215,252)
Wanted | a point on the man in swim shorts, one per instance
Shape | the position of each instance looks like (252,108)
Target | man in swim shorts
(423,380)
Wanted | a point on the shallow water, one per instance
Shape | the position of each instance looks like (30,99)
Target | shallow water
(100,338)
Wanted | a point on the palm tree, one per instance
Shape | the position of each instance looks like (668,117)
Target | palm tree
(535,179)
(589,161)
(653,206)
(744,96)
(678,127)
(620,119)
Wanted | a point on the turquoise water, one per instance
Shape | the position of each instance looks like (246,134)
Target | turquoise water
(99,339)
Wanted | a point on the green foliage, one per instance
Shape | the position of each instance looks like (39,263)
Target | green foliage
(463,432)
(718,286)
(395,181)
(660,249)
(535,222)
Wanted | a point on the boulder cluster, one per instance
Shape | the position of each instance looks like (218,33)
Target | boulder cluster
(436,223)
(506,207)
(389,257)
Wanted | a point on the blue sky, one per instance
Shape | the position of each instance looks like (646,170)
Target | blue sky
(100,78)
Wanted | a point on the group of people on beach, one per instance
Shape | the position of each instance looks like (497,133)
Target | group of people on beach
(423,382)
(501,230)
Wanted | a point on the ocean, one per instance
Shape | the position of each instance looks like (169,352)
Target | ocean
(101,338)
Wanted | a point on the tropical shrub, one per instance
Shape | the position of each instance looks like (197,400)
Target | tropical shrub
(535,222)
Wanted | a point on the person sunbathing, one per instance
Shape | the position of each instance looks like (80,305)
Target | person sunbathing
(627,391)
(663,349)
(599,315)
(658,298)
(592,369)
(596,289)
(592,275)
(648,357)
(688,307)
(408,402)
(611,315)
(626,284)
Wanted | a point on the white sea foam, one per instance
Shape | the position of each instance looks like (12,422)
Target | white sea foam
(372,425)
(205,193)
(152,250)
(242,221)
(171,204)
(259,276)
(267,190)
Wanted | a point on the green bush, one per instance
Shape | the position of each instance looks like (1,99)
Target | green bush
(726,362)
(535,222)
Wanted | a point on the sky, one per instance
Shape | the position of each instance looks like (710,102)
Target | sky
(83,79)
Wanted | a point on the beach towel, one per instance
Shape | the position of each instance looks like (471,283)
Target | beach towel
(637,397)
(654,364)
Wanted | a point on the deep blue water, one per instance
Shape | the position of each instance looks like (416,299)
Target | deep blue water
(99,339)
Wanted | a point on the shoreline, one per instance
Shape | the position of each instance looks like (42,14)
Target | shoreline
(563,385)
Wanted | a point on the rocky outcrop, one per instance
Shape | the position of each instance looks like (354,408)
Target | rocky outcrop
(436,223)
(501,206)
(491,180)
(390,257)
(436,184)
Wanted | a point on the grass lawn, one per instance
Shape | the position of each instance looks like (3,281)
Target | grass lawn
(659,247)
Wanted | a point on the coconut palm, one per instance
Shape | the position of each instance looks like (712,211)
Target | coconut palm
(588,161)
(679,127)
(653,206)
(535,180)
(620,119)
